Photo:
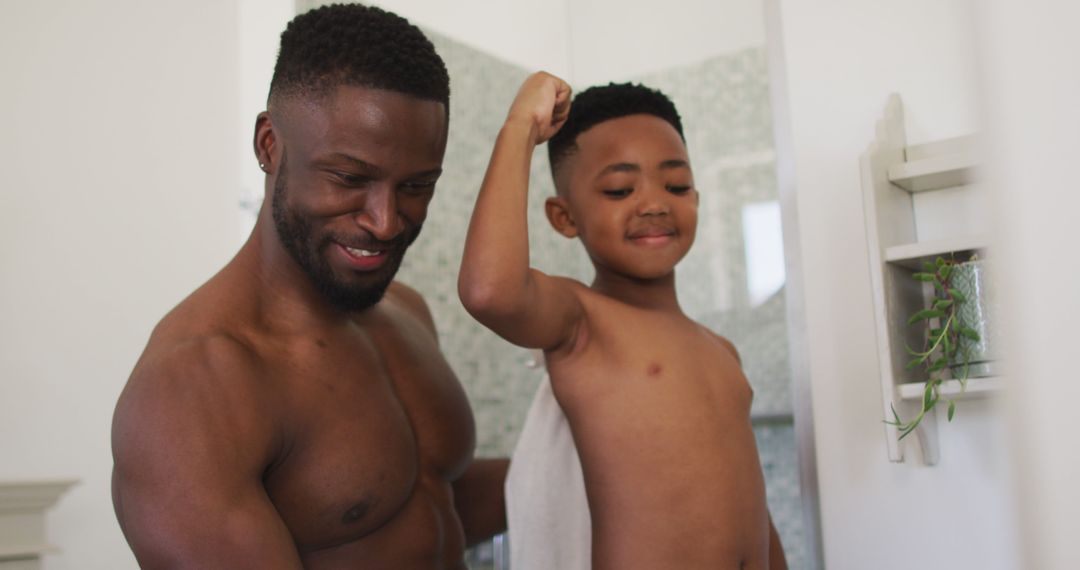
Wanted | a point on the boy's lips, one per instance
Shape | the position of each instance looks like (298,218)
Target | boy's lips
(651,235)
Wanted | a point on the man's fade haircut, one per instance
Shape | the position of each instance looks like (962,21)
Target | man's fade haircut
(604,103)
(357,45)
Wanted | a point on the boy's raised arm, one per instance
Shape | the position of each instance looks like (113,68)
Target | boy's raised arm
(496,284)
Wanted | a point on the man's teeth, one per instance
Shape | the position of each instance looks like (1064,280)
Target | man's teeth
(362,252)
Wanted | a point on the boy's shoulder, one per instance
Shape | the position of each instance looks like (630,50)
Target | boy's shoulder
(597,304)
(730,346)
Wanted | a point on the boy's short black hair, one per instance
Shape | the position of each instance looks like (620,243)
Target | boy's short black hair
(357,45)
(603,103)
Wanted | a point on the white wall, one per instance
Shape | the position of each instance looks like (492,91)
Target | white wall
(1032,55)
(843,57)
(529,33)
(613,40)
(122,169)
(593,41)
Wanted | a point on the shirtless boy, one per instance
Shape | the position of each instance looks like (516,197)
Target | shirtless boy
(295,411)
(657,404)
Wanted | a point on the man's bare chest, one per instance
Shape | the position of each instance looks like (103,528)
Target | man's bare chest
(367,417)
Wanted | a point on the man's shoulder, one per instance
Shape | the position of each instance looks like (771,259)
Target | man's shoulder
(208,388)
(180,371)
(409,300)
(197,354)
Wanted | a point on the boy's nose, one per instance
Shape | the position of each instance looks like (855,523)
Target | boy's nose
(379,215)
(653,204)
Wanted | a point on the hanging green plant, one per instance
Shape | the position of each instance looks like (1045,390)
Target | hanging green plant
(945,352)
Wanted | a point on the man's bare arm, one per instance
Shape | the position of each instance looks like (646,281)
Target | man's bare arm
(496,284)
(191,440)
(480,501)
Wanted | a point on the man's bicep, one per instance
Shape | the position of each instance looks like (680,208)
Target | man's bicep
(479,499)
(185,524)
(190,441)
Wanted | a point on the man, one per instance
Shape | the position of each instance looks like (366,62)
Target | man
(295,411)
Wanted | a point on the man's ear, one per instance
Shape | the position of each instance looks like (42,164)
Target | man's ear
(265,142)
(558,213)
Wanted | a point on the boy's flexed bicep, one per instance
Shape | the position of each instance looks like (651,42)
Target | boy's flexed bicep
(547,315)
(496,284)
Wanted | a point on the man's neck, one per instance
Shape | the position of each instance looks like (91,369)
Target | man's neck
(286,294)
(655,294)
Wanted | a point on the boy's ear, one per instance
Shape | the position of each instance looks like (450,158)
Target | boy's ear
(558,213)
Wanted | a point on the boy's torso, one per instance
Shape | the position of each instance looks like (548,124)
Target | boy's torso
(660,413)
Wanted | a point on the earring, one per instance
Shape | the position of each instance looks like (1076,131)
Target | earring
(262,166)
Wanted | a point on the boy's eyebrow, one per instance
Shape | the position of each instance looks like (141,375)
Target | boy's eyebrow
(619,167)
(631,167)
(674,163)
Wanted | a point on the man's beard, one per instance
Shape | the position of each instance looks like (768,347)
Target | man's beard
(295,233)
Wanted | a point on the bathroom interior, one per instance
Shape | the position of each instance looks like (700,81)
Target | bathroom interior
(130,181)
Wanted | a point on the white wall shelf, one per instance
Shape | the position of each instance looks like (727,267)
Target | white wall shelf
(934,166)
(22,521)
(976,387)
(912,255)
(892,173)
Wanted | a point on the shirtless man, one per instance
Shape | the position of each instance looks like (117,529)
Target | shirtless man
(295,411)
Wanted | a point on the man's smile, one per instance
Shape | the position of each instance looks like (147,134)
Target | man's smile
(362,259)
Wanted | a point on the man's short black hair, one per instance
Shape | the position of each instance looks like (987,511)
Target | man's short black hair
(603,103)
(358,45)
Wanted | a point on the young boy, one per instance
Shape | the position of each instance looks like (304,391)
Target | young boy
(657,405)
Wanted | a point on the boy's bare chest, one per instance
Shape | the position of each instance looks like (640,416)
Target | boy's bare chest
(371,416)
(641,344)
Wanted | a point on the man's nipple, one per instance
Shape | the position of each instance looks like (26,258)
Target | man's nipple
(357,512)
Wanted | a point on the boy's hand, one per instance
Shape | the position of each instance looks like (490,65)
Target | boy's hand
(543,102)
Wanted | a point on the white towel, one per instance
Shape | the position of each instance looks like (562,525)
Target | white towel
(546,509)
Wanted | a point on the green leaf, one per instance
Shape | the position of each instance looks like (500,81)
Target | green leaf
(952,409)
(928,277)
(938,364)
(939,262)
(958,296)
(929,267)
(940,288)
(942,304)
(929,399)
(925,314)
(945,272)
(912,364)
(970,333)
